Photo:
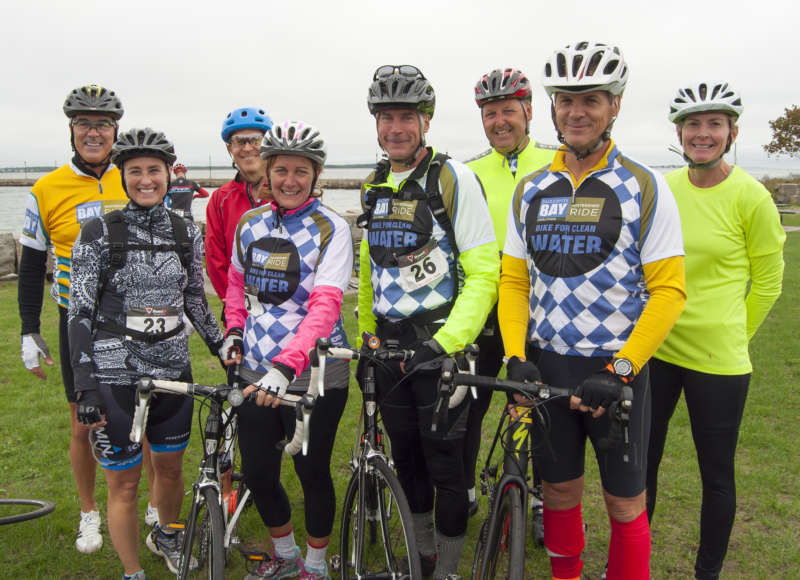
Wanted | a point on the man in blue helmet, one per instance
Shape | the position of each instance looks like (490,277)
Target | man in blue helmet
(242,131)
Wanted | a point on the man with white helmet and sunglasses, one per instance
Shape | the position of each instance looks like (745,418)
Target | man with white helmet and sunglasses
(504,97)
(426,224)
(592,282)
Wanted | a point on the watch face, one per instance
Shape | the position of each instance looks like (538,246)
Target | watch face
(623,367)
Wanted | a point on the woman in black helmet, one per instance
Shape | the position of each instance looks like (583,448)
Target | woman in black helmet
(115,338)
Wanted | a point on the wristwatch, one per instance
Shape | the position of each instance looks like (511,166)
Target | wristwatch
(623,368)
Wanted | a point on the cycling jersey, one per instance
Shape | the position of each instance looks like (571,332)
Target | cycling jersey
(180,195)
(150,294)
(733,239)
(59,203)
(288,274)
(586,247)
(499,174)
(407,259)
(226,206)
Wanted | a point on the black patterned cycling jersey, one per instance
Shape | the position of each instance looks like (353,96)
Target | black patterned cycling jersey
(122,321)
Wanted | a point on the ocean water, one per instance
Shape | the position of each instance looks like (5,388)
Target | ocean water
(14,199)
(342,200)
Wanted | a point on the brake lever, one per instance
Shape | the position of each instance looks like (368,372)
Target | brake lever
(306,405)
(441,411)
(471,354)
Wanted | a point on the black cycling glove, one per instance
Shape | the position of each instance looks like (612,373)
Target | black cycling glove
(522,371)
(423,360)
(600,389)
(91,407)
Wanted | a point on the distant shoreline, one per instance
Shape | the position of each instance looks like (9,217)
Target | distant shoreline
(330,183)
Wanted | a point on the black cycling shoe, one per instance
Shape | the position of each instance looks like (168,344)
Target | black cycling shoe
(473,507)
(537,524)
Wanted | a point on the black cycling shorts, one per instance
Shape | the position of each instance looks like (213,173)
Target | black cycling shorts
(560,441)
(169,425)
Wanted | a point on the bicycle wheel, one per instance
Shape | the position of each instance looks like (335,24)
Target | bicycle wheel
(392,551)
(204,536)
(480,549)
(42,509)
(504,553)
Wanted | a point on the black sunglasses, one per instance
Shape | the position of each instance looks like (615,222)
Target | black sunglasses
(403,70)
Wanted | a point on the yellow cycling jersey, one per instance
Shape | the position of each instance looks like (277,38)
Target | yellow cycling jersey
(58,205)
(499,176)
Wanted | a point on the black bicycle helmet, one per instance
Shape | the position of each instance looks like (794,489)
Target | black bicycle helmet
(402,85)
(93,99)
(142,143)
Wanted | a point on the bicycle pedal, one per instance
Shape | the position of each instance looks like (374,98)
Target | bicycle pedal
(253,555)
(335,563)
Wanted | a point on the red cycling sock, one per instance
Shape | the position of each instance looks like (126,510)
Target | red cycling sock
(629,549)
(563,537)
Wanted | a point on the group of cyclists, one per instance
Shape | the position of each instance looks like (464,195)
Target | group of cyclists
(594,272)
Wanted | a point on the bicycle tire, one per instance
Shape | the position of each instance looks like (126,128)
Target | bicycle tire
(505,539)
(395,540)
(43,507)
(480,548)
(204,536)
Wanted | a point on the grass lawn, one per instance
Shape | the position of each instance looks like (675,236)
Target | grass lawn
(34,439)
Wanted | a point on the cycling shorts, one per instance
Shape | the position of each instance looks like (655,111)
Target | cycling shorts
(560,440)
(168,428)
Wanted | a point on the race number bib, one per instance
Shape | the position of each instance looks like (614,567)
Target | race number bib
(152,320)
(251,301)
(424,267)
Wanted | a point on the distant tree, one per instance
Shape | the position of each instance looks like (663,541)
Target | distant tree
(785,134)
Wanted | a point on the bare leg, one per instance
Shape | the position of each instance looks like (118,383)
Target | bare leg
(123,521)
(84,467)
(168,480)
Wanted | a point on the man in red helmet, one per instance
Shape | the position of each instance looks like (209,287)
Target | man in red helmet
(504,97)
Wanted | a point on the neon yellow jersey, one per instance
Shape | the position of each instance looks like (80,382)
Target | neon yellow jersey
(499,176)
(732,237)
(57,206)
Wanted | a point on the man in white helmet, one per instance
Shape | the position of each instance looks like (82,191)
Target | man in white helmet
(592,282)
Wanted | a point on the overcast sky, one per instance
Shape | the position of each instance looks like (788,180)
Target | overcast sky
(181,66)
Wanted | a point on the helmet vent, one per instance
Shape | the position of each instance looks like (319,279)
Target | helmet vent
(593,62)
(609,68)
(577,61)
(561,65)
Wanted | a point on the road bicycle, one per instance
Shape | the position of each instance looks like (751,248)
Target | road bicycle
(500,550)
(41,508)
(377,538)
(211,531)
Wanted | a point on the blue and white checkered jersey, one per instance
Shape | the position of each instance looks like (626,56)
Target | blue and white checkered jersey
(585,249)
(282,259)
(411,258)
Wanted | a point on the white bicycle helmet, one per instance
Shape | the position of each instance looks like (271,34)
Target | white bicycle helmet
(586,66)
(704,97)
(294,138)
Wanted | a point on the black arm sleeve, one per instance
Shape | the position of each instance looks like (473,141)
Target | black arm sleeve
(30,289)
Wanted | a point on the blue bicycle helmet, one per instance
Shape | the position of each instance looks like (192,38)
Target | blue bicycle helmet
(245,118)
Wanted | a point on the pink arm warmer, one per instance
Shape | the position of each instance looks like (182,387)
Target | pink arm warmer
(235,312)
(324,308)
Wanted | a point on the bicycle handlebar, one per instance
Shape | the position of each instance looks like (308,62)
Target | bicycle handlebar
(619,410)
(146,386)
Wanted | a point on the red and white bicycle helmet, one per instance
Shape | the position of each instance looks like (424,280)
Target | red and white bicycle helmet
(500,84)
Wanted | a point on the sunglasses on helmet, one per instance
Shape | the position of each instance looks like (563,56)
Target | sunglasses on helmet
(403,70)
